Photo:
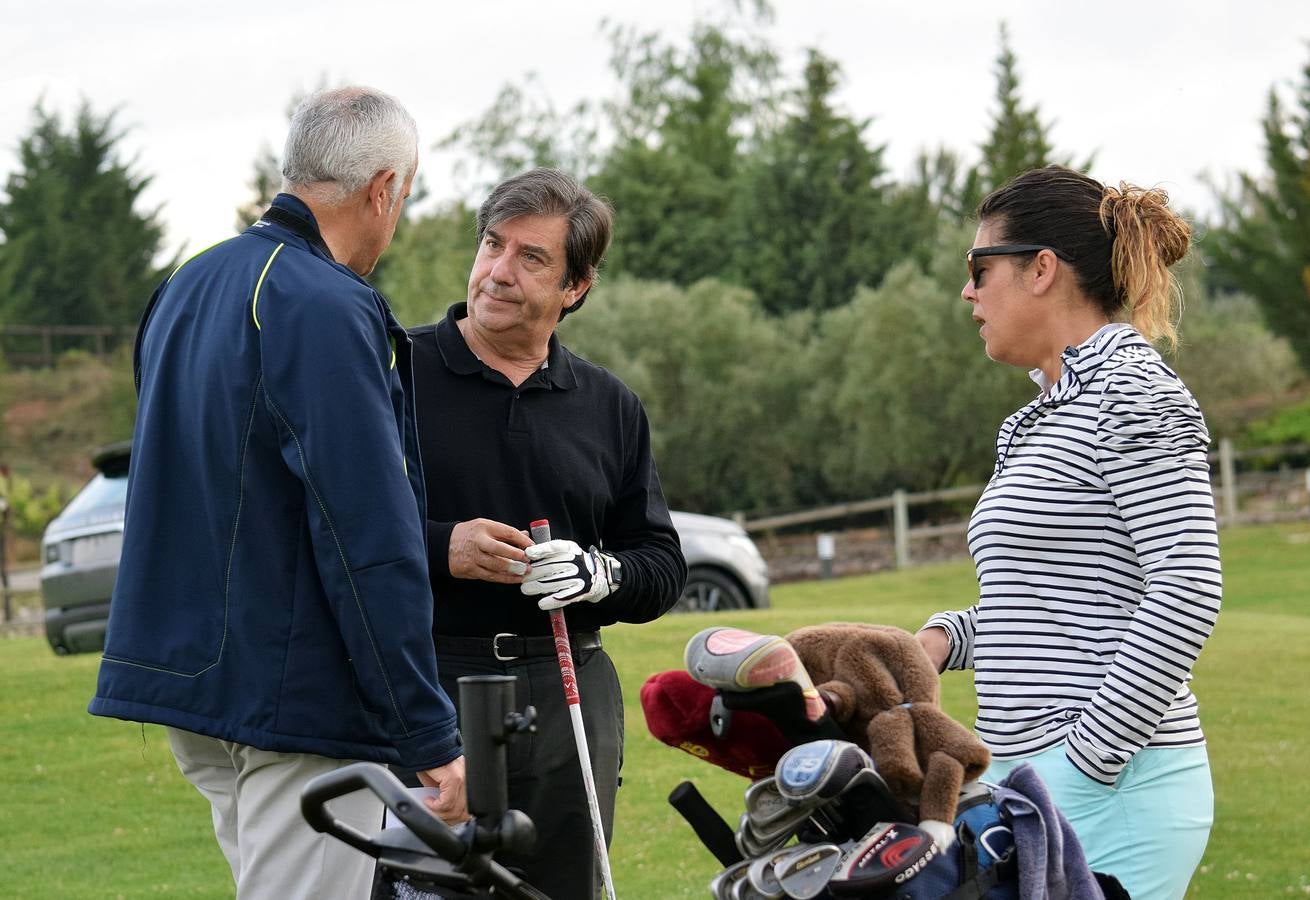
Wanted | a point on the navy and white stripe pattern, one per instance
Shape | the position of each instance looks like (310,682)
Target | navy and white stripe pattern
(1098,564)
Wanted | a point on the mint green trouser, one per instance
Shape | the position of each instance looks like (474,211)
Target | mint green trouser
(1149,830)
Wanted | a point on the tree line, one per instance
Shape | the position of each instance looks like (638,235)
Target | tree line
(788,311)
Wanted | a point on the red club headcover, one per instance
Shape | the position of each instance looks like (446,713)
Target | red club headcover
(677,709)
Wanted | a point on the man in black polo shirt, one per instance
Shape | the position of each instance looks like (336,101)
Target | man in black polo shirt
(513,428)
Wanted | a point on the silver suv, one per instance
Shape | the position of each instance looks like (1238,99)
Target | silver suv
(724,567)
(81,547)
(79,557)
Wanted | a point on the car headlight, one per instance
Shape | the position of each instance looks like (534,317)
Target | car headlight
(743,543)
(52,552)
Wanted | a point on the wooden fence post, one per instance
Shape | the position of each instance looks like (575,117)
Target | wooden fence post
(1227,482)
(901,528)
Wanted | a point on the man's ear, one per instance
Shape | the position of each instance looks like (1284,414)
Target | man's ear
(577,292)
(381,187)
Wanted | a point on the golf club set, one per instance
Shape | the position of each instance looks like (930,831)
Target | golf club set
(851,838)
(820,821)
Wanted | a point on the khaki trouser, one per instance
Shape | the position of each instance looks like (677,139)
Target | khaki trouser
(255,795)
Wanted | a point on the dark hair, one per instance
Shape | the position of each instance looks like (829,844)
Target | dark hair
(1122,240)
(550,192)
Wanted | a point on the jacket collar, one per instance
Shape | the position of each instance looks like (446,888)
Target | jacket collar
(1080,364)
(292,214)
(455,352)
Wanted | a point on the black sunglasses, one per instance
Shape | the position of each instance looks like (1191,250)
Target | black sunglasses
(1008,250)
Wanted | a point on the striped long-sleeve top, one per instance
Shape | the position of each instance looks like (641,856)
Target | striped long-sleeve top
(1098,564)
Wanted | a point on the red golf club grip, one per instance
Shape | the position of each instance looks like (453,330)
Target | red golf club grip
(540,533)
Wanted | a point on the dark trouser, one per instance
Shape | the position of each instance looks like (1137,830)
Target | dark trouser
(544,778)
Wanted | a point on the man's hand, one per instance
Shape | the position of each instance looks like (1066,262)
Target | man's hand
(485,550)
(567,573)
(451,804)
(937,643)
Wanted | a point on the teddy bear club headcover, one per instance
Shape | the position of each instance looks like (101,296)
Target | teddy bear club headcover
(883,691)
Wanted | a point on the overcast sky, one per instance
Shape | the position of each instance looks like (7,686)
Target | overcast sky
(1162,92)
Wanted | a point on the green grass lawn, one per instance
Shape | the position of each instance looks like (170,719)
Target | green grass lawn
(95,808)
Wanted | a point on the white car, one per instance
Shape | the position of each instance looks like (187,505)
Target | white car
(724,567)
(80,549)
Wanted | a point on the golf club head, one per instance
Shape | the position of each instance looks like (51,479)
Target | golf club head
(763,878)
(865,802)
(810,821)
(735,660)
(805,872)
(744,890)
(889,855)
(820,769)
(752,845)
(763,801)
(721,885)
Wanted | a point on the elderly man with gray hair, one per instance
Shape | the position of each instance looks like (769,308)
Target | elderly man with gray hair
(272,608)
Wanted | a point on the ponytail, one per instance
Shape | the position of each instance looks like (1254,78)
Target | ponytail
(1148,238)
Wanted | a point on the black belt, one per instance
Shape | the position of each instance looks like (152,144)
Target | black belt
(514,646)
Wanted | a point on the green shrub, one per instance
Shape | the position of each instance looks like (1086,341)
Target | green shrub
(31,508)
(1290,425)
(1237,369)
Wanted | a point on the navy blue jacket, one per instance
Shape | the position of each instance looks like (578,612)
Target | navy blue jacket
(273,586)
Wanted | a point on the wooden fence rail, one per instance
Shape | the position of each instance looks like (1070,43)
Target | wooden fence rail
(39,345)
(1228,487)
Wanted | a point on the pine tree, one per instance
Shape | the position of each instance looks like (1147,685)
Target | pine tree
(1263,244)
(76,251)
(810,206)
(1018,140)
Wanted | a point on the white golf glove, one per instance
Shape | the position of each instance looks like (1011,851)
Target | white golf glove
(567,573)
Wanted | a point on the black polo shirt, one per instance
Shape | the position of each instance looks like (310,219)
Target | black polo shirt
(572,445)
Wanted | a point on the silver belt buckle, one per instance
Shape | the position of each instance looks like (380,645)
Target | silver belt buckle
(495,646)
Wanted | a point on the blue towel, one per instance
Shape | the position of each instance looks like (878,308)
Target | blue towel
(1051,861)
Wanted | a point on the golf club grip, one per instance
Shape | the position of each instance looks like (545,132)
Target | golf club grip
(709,826)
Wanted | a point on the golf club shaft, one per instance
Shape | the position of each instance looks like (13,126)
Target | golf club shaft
(540,532)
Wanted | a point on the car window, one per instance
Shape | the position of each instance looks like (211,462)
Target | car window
(100,494)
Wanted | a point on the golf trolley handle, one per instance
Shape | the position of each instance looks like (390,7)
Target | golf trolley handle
(370,776)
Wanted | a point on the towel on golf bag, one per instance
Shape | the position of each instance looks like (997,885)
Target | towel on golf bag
(1051,861)
(979,865)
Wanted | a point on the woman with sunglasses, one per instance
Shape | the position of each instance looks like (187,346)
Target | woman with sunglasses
(1095,541)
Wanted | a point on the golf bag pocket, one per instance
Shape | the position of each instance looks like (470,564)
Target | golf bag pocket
(980,865)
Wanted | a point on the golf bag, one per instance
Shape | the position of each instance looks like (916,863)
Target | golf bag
(980,865)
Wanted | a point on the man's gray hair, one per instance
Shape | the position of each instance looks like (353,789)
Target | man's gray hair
(550,192)
(341,138)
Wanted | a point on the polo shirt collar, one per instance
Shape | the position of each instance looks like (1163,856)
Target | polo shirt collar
(455,352)
(1079,364)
